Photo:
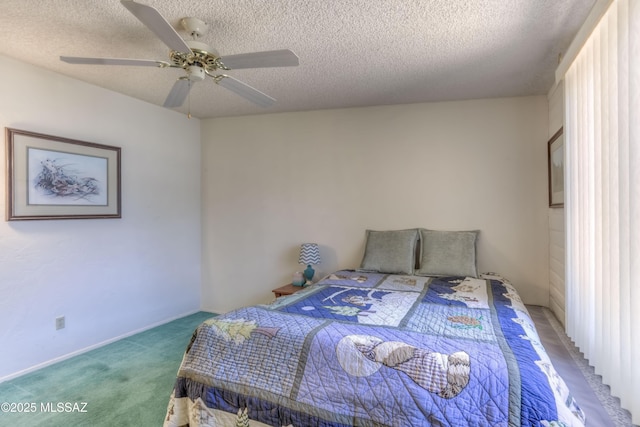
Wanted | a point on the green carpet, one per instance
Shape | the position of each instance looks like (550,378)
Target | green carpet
(126,383)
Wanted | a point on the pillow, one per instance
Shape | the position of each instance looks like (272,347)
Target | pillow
(390,251)
(448,253)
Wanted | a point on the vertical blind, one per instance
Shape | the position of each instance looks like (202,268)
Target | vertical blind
(602,206)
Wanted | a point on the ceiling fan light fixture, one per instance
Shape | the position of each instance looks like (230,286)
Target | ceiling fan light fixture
(195,73)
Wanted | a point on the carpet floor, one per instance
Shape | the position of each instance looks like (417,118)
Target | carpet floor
(128,383)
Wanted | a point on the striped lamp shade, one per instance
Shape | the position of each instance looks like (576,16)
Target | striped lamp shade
(309,254)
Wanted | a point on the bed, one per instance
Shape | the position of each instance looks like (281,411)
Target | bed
(397,342)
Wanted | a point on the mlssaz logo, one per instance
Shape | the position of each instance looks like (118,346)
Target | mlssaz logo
(63,407)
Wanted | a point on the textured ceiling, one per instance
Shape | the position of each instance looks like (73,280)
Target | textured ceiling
(353,53)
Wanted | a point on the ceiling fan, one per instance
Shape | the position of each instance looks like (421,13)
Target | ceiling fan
(196,58)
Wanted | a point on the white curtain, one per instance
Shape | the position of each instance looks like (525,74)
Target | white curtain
(602,206)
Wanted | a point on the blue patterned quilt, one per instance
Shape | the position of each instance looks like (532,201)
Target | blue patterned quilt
(371,349)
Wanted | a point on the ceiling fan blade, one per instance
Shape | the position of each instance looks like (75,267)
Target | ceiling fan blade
(150,17)
(245,91)
(270,58)
(178,93)
(114,61)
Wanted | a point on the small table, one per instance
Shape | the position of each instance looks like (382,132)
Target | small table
(287,290)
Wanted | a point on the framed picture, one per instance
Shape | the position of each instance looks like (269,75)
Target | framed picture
(50,177)
(556,170)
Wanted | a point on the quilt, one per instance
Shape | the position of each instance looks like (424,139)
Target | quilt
(371,349)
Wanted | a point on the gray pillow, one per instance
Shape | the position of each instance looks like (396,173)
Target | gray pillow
(390,251)
(448,253)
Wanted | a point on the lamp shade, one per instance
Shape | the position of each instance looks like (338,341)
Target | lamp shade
(309,254)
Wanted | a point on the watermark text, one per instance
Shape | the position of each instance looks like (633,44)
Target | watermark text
(43,407)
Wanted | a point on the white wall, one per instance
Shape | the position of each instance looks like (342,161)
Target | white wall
(556,218)
(271,182)
(107,277)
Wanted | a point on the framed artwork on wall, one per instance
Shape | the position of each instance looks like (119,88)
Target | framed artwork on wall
(50,177)
(556,169)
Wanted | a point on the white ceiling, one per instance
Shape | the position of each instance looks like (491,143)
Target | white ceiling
(353,53)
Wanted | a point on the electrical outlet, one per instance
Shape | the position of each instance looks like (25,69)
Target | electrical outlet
(60,322)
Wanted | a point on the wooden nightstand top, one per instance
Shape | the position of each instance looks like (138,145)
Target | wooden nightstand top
(287,290)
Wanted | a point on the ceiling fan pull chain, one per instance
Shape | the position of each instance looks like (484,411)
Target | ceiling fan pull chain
(189,106)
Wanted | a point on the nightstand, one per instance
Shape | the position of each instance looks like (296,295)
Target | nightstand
(287,290)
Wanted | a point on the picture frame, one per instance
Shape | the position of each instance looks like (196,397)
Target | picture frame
(555,155)
(51,177)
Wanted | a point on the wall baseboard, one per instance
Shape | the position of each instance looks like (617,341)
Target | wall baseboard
(91,347)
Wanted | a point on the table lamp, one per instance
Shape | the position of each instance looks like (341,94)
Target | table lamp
(310,255)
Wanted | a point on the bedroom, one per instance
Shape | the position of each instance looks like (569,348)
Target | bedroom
(196,223)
